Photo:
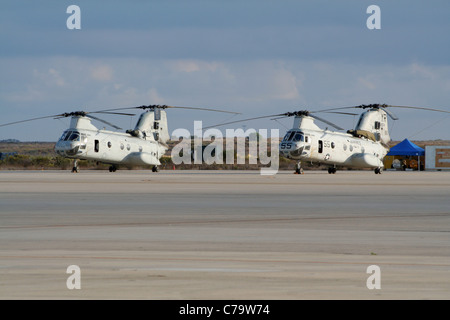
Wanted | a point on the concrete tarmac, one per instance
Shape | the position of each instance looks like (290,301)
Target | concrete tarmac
(224,235)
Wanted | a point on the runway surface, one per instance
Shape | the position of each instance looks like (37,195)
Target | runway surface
(224,234)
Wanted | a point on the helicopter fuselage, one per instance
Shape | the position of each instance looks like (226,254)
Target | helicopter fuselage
(356,148)
(332,148)
(85,142)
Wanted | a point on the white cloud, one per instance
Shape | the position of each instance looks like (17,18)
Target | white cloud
(102,73)
(50,77)
(420,70)
(285,85)
(367,83)
(186,65)
(154,97)
(43,86)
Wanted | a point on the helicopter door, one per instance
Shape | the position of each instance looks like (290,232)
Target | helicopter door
(320,146)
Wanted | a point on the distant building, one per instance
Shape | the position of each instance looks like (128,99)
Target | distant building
(437,157)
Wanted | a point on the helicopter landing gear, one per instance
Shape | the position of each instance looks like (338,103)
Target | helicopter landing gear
(75,166)
(332,170)
(155,169)
(298,168)
(112,169)
(378,170)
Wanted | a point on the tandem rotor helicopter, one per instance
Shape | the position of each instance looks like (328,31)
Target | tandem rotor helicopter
(362,147)
(144,145)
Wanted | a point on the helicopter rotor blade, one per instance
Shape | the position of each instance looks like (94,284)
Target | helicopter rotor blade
(327,122)
(104,121)
(71,114)
(277,118)
(385,108)
(420,108)
(308,113)
(390,114)
(157,106)
(282,115)
(21,121)
(373,106)
(346,113)
(204,109)
(242,120)
(118,113)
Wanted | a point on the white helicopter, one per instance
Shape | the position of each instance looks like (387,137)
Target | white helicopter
(144,145)
(363,147)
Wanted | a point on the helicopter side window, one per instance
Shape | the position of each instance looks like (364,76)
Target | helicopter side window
(83,140)
(286,137)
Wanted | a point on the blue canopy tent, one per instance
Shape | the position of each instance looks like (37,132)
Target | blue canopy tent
(407,148)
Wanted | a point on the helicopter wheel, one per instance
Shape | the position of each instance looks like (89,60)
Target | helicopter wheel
(155,169)
(378,170)
(299,171)
(75,166)
(298,168)
(332,170)
(112,169)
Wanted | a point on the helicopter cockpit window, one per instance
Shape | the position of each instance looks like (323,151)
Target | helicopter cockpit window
(286,137)
(291,135)
(69,133)
(298,137)
(75,136)
(64,135)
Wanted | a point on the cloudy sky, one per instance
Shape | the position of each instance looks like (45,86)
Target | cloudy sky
(257,57)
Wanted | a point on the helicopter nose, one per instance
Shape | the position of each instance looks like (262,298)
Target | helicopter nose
(297,152)
(66,148)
